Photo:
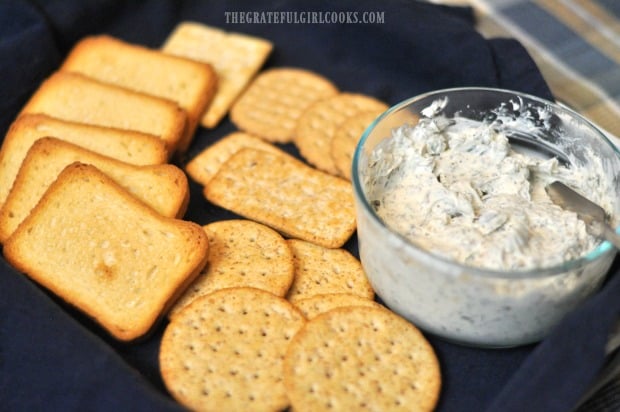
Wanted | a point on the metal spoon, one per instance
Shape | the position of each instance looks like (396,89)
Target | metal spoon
(595,219)
(592,214)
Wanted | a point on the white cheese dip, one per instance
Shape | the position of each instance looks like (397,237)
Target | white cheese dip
(458,189)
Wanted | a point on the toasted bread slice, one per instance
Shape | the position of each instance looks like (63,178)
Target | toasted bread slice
(96,246)
(189,83)
(78,98)
(163,187)
(125,145)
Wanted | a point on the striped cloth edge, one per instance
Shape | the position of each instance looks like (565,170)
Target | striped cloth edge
(576,45)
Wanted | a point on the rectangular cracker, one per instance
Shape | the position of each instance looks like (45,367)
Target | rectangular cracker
(286,194)
(236,58)
(206,164)
(189,83)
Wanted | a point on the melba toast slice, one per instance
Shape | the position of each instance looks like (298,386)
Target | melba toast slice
(78,98)
(287,195)
(163,187)
(93,244)
(125,145)
(191,84)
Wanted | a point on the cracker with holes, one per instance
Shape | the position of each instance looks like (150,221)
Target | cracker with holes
(225,351)
(204,165)
(360,358)
(274,101)
(345,140)
(313,306)
(236,58)
(319,270)
(287,195)
(242,253)
(316,126)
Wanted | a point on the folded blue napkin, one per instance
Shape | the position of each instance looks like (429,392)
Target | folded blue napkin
(54,358)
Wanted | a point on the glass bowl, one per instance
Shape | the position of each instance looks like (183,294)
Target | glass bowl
(467,304)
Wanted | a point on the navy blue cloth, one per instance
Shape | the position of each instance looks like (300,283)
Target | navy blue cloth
(54,358)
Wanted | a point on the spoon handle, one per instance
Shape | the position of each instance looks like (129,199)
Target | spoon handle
(606,232)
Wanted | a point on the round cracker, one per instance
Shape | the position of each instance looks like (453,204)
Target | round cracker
(317,125)
(361,358)
(225,351)
(274,101)
(345,140)
(320,270)
(316,305)
(242,253)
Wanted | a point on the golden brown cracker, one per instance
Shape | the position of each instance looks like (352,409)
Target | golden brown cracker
(103,251)
(319,270)
(287,195)
(242,253)
(235,57)
(125,145)
(275,100)
(345,140)
(225,351)
(313,306)
(361,358)
(317,125)
(162,187)
(73,97)
(189,83)
(204,165)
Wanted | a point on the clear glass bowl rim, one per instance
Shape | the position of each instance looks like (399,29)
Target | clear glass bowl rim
(602,249)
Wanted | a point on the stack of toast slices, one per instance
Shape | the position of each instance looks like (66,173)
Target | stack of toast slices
(90,206)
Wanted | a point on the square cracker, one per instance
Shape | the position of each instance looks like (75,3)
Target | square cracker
(235,57)
(286,194)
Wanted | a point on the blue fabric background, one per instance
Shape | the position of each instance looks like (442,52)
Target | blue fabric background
(53,358)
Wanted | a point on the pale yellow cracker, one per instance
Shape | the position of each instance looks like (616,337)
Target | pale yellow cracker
(224,352)
(345,140)
(319,270)
(242,253)
(287,195)
(317,125)
(275,100)
(204,165)
(361,358)
(235,57)
(313,306)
